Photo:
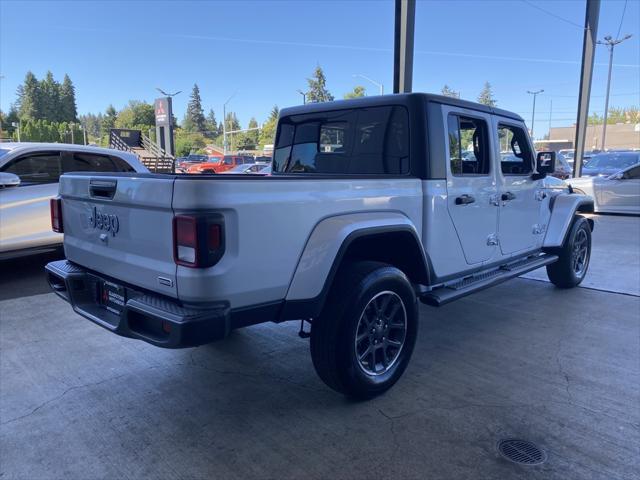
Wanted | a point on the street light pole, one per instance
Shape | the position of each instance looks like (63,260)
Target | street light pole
(377,84)
(224,123)
(533,114)
(304,96)
(610,43)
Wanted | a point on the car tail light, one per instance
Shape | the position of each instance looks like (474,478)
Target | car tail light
(198,240)
(55,205)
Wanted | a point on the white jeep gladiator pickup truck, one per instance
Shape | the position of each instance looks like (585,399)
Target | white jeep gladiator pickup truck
(373,204)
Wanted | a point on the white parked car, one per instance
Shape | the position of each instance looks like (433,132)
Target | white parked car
(370,207)
(617,193)
(29,175)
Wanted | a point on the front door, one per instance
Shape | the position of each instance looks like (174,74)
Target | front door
(471,186)
(519,195)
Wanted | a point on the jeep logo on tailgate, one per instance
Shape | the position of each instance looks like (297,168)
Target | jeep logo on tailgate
(104,221)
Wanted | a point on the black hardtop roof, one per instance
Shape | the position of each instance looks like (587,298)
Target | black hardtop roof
(395,99)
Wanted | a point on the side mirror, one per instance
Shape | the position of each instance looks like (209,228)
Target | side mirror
(9,180)
(545,164)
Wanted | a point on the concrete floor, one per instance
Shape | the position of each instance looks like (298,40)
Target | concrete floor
(525,360)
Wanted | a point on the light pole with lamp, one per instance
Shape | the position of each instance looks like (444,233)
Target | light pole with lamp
(304,96)
(610,43)
(533,114)
(377,84)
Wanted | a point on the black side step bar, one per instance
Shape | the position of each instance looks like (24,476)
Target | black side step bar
(448,293)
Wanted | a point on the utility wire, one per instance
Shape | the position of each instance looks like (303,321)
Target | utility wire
(622,18)
(570,22)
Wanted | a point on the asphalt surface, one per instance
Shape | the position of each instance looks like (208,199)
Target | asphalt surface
(523,360)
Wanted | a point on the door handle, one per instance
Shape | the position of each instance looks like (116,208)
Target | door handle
(507,196)
(465,199)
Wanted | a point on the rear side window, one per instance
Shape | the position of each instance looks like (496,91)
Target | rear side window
(87,162)
(516,157)
(36,168)
(468,146)
(360,141)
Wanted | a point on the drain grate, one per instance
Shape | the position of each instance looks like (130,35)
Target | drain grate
(521,451)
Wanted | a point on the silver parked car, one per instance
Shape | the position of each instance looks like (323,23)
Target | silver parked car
(29,175)
(617,193)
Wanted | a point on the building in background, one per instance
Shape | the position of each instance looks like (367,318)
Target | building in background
(619,136)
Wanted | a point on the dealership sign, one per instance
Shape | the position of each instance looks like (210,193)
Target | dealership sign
(162,107)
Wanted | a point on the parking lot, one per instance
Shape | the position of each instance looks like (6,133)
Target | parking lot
(522,360)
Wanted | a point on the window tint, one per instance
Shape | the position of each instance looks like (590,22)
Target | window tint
(515,154)
(468,146)
(122,165)
(37,168)
(363,141)
(633,173)
(86,162)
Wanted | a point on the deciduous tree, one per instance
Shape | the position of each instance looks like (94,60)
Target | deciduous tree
(357,92)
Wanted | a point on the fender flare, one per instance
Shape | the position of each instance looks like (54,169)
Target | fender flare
(563,208)
(324,251)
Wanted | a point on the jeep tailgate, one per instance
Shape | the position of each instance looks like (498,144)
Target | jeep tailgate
(121,226)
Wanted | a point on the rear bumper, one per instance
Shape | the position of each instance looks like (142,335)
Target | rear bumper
(157,320)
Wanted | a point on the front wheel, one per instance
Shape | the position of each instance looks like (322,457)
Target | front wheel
(573,256)
(363,340)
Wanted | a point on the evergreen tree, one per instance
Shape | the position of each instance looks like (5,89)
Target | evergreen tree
(250,140)
(268,130)
(211,126)
(50,91)
(486,96)
(233,123)
(357,92)
(29,98)
(108,122)
(317,91)
(449,92)
(194,119)
(68,110)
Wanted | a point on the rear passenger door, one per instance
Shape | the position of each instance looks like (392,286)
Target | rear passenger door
(471,184)
(520,201)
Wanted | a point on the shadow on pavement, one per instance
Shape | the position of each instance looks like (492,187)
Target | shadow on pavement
(24,276)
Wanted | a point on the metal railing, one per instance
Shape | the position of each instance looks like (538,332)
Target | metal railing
(148,152)
(116,142)
(161,161)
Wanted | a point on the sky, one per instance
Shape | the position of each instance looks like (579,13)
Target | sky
(262,52)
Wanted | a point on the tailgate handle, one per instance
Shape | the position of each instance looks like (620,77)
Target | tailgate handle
(102,188)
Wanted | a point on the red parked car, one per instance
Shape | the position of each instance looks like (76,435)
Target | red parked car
(220,164)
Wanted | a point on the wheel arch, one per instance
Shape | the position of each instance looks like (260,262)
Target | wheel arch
(389,238)
(563,209)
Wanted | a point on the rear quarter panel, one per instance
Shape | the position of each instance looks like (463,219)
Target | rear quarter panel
(268,223)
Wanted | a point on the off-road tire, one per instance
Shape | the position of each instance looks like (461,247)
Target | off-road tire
(334,347)
(573,256)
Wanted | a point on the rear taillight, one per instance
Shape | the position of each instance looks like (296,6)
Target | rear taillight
(55,205)
(198,240)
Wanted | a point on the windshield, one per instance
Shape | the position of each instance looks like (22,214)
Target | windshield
(614,160)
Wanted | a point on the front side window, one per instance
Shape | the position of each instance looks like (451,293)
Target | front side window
(36,168)
(468,146)
(515,154)
(359,141)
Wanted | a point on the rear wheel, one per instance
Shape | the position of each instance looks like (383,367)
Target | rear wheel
(363,340)
(573,256)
